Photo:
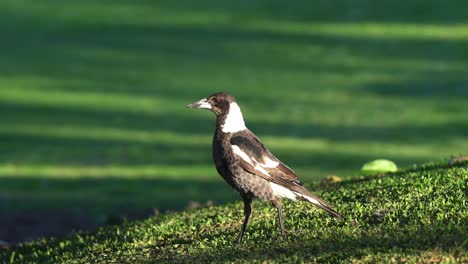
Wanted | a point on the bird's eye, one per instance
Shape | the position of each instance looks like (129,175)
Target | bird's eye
(214,100)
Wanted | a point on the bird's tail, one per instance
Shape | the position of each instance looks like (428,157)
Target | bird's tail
(308,196)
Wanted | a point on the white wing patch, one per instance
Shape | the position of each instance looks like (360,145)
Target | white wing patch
(260,168)
(269,163)
(312,200)
(283,192)
(257,165)
(234,120)
(241,154)
(280,191)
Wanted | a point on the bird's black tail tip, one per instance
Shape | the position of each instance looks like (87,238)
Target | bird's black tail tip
(336,215)
(332,212)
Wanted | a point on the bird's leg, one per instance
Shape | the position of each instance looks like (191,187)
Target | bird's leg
(247,212)
(276,203)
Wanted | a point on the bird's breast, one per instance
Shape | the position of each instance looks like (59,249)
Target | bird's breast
(222,154)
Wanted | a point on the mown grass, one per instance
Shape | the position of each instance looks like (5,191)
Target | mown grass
(417,215)
(92,94)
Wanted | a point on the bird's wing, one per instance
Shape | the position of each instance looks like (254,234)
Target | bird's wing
(255,158)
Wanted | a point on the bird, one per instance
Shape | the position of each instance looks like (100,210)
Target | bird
(248,166)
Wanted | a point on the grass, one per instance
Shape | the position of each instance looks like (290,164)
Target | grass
(417,216)
(92,95)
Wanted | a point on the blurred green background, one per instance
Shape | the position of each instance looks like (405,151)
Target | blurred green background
(93,94)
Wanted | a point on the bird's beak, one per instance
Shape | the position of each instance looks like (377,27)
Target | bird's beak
(202,104)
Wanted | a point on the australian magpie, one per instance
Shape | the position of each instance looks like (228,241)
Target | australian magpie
(248,166)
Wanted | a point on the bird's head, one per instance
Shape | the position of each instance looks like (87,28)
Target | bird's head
(218,103)
(226,110)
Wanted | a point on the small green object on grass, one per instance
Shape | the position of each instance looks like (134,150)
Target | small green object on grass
(378,166)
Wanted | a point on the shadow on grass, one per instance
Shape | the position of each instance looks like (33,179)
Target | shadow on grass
(84,203)
(428,89)
(414,11)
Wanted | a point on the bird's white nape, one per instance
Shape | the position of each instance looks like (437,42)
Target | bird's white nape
(234,121)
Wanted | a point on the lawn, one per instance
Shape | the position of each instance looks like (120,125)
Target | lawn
(93,94)
(414,216)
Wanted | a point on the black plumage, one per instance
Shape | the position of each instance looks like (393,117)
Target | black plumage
(248,166)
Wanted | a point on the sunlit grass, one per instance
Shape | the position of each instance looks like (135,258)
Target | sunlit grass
(389,31)
(88,100)
(124,172)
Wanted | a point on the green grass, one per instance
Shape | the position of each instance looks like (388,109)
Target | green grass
(415,216)
(92,94)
